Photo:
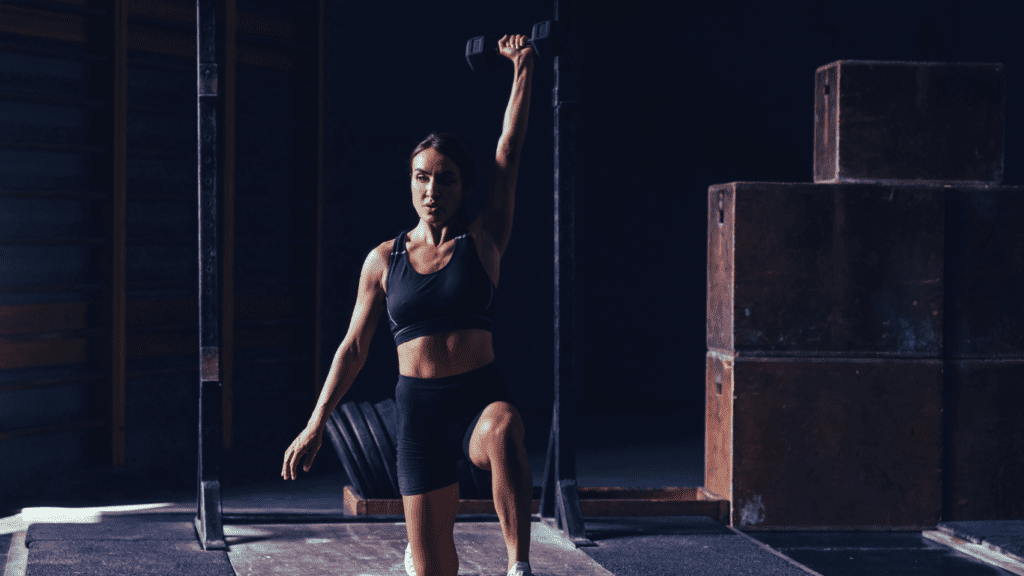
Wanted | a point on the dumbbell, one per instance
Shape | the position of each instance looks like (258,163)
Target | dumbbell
(482,51)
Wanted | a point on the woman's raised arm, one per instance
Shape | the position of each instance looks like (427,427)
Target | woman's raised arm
(348,360)
(496,218)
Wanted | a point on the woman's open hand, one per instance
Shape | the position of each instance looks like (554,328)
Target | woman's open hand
(516,48)
(305,445)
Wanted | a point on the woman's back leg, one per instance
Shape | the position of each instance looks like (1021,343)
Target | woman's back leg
(430,525)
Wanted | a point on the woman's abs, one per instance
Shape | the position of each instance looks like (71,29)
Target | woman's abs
(445,354)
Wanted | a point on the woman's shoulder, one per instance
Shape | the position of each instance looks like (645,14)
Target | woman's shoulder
(377,261)
(382,252)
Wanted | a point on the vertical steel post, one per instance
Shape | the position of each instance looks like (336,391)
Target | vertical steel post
(319,216)
(226,47)
(118,210)
(208,522)
(559,494)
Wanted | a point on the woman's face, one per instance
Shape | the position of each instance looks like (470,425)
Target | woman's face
(436,186)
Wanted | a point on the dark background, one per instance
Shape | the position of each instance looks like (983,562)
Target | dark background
(675,97)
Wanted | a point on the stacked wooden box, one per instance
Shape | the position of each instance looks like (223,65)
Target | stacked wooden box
(865,362)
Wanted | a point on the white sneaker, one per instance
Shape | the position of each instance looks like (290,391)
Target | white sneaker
(410,568)
(520,569)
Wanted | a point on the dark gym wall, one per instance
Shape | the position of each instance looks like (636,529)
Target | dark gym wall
(676,96)
(57,106)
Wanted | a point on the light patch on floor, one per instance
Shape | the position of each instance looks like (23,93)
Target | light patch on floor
(378,549)
(58,515)
(13,524)
(17,556)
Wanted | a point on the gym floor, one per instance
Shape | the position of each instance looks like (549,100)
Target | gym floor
(158,538)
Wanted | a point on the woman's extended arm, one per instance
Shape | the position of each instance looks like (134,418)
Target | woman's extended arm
(496,218)
(347,362)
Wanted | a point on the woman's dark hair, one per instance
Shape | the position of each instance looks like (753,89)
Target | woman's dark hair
(454,149)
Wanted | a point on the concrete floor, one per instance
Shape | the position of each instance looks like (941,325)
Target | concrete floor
(126,538)
(877,553)
(158,538)
(379,550)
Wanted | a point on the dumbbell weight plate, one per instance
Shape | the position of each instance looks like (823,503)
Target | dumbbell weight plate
(480,53)
(368,448)
(389,415)
(385,449)
(546,39)
(344,452)
(358,458)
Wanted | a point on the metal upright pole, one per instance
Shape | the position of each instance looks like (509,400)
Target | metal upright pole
(209,521)
(559,494)
(117,255)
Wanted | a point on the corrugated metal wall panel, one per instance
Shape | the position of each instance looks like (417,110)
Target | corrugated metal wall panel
(55,174)
(47,265)
(37,218)
(161,235)
(26,75)
(42,459)
(44,405)
(162,397)
(52,239)
(27,169)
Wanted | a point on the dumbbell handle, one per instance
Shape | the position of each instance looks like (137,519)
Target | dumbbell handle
(497,51)
(530,44)
(545,32)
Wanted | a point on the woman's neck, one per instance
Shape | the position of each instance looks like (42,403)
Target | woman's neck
(437,234)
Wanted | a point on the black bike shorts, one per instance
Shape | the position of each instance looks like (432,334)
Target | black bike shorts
(436,418)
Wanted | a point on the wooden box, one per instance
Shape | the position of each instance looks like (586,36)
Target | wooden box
(825,269)
(814,443)
(984,272)
(696,501)
(909,121)
(984,469)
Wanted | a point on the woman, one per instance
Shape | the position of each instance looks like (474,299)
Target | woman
(437,283)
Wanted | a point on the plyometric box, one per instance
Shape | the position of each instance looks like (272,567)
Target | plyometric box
(913,121)
(821,269)
(985,440)
(865,269)
(594,501)
(984,272)
(825,443)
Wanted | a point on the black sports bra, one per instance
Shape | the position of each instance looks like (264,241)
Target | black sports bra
(456,297)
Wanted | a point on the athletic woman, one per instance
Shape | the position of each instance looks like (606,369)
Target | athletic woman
(438,284)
